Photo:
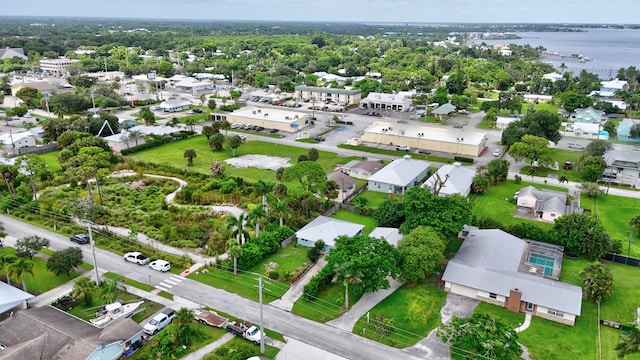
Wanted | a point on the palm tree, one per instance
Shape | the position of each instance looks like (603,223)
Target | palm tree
(109,290)
(629,341)
(237,225)
(280,208)
(208,131)
(84,289)
(18,268)
(348,275)
(5,260)
(256,216)
(185,322)
(190,122)
(263,188)
(563,179)
(225,126)
(235,251)
(635,222)
(190,154)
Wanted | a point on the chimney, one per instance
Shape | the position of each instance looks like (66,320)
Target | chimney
(513,302)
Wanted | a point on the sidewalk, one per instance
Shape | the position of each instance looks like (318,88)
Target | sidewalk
(295,292)
(349,319)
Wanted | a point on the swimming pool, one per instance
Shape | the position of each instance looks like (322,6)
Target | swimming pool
(546,261)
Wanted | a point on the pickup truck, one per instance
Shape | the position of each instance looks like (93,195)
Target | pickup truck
(210,318)
(247,331)
(136,258)
(160,321)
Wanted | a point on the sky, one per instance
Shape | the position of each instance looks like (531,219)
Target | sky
(427,11)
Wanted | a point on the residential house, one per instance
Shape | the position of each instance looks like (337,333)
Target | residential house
(623,162)
(586,130)
(324,95)
(624,130)
(457,179)
(48,333)
(609,88)
(380,101)
(444,110)
(329,78)
(399,176)
(543,204)
(136,136)
(10,53)
(553,77)
(361,169)
(13,141)
(174,105)
(328,230)
(391,235)
(588,115)
(347,185)
(502,122)
(501,269)
(12,297)
(537,99)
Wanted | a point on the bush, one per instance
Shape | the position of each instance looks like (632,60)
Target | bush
(517,179)
(273,274)
(463,159)
(317,283)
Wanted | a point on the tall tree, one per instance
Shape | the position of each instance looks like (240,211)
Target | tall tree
(390,213)
(533,150)
(30,245)
(629,341)
(237,227)
(235,251)
(86,165)
(216,142)
(582,234)
(313,154)
(348,274)
(18,268)
(234,142)
(256,216)
(482,335)
(597,281)
(9,175)
(185,327)
(421,254)
(62,262)
(635,222)
(190,154)
(33,165)
(262,188)
(540,123)
(446,215)
(208,131)
(84,289)
(309,174)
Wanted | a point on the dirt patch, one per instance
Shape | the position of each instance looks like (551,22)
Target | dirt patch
(259,161)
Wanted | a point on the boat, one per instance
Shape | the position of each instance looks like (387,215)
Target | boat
(113,311)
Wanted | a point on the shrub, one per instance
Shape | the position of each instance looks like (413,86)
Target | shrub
(317,283)
(273,274)
(463,159)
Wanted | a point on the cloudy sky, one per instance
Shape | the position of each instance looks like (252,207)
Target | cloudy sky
(511,11)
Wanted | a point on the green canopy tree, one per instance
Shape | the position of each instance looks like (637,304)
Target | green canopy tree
(208,130)
(540,123)
(86,164)
(482,335)
(446,215)
(237,227)
(597,281)
(582,234)
(256,216)
(62,262)
(30,246)
(313,154)
(233,142)
(629,341)
(33,165)
(84,289)
(533,150)
(309,174)
(216,141)
(235,251)
(390,213)
(635,222)
(421,253)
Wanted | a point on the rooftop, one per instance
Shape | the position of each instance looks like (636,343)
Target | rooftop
(270,114)
(401,172)
(445,134)
(391,235)
(328,229)
(327,90)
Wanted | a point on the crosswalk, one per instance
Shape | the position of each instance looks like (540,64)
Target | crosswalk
(167,284)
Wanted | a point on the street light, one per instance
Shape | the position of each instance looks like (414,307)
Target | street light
(93,252)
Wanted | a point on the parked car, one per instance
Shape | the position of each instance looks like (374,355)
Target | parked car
(423,151)
(609,174)
(273,131)
(568,165)
(160,321)
(197,111)
(318,138)
(497,153)
(190,112)
(79,239)
(402,148)
(243,138)
(247,331)
(136,257)
(160,265)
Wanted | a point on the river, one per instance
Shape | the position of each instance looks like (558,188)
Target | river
(608,49)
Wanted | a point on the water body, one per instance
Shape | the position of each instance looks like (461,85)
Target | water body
(608,49)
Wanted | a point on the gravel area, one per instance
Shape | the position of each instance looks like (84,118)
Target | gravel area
(259,161)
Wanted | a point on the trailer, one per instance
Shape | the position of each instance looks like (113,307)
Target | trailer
(210,318)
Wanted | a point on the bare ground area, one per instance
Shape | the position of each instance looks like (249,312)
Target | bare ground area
(259,162)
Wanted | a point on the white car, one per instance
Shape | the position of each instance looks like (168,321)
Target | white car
(136,257)
(160,265)
(497,152)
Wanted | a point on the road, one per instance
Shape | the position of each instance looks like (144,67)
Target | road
(323,336)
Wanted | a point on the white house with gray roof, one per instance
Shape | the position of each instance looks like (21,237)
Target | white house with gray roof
(496,267)
(399,176)
(623,162)
(543,204)
(328,230)
(389,234)
(457,179)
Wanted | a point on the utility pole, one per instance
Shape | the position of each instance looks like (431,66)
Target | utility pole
(93,253)
(261,317)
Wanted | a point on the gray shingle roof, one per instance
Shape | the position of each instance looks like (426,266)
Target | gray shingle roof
(400,172)
(459,181)
(612,156)
(549,199)
(343,180)
(328,229)
(488,260)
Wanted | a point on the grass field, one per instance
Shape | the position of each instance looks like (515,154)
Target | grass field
(496,202)
(172,153)
(614,212)
(288,259)
(42,279)
(375,198)
(415,310)
(52,160)
(368,222)
(327,306)
(270,352)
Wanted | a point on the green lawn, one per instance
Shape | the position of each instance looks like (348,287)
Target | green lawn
(288,260)
(327,306)
(42,279)
(270,352)
(368,222)
(172,153)
(244,284)
(614,213)
(415,310)
(550,340)
(52,160)
(497,202)
(375,198)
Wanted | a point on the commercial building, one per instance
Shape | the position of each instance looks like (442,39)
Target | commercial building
(380,101)
(322,94)
(454,141)
(281,120)
(56,67)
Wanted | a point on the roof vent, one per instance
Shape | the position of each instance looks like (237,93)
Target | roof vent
(407,157)
(457,164)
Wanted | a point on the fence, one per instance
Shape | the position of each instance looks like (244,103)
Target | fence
(355,193)
(621,259)
(42,149)
(284,243)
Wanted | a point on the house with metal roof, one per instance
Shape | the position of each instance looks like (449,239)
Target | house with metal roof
(586,130)
(501,269)
(389,234)
(443,110)
(381,101)
(174,105)
(544,204)
(588,115)
(623,162)
(12,141)
(328,230)
(12,297)
(48,333)
(451,179)
(624,129)
(399,176)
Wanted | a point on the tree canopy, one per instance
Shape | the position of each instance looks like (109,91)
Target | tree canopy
(597,281)
(309,174)
(539,123)
(582,234)
(446,215)
(421,254)
(533,150)
(62,262)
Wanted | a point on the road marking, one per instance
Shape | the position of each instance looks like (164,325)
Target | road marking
(162,288)
(171,281)
(177,278)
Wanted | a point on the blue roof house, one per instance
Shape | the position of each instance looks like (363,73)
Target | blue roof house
(624,130)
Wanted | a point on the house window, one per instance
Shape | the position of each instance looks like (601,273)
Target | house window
(553,312)
(529,306)
(493,296)
(553,215)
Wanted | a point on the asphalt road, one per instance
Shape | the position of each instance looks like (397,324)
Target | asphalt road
(320,335)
